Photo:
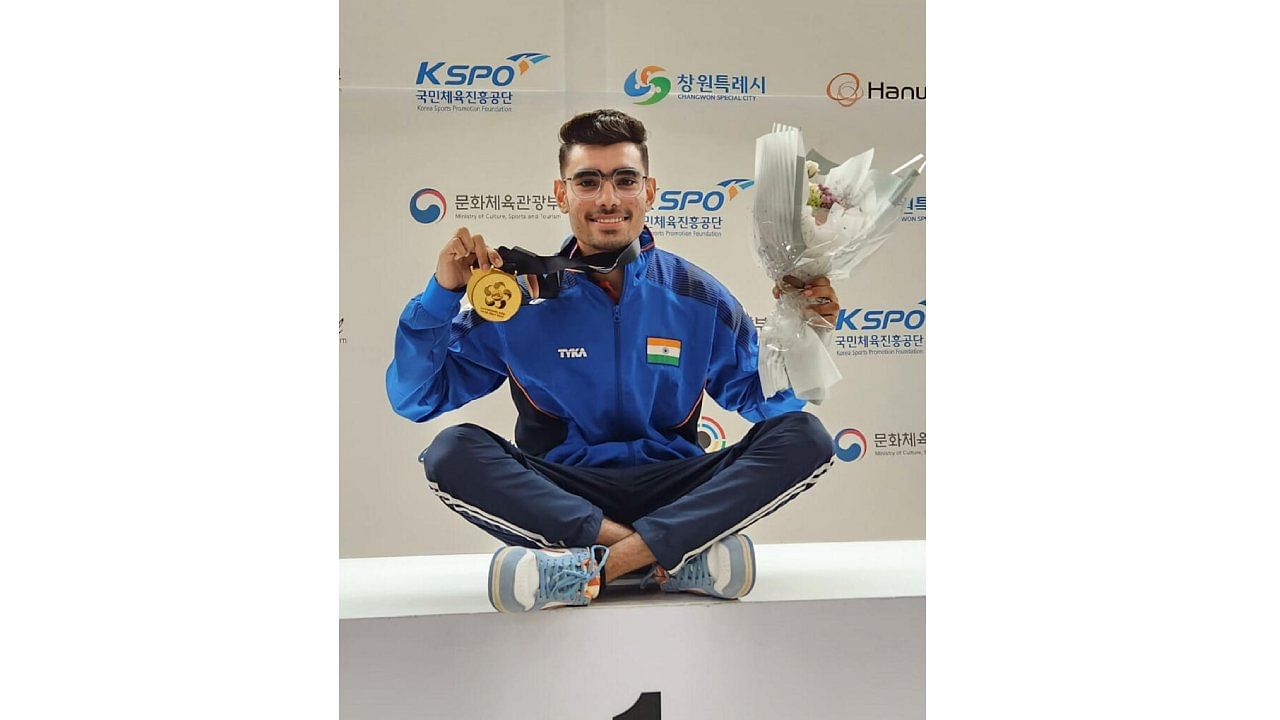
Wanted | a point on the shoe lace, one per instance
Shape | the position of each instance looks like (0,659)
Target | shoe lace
(657,575)
(695,572)
(563,578)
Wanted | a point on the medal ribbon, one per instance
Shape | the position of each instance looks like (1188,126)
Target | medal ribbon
(547,269)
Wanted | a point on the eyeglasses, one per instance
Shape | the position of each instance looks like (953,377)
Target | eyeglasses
(627,183)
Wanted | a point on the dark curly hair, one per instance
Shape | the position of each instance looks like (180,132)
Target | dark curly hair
(602,127)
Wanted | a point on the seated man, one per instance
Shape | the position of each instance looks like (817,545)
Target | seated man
(606,475)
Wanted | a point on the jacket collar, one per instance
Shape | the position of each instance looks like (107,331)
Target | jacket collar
(569,248)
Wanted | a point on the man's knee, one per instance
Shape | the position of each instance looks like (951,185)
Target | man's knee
(452,453)
(809,437)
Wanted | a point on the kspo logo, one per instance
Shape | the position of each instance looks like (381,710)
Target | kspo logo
(498,75)
(708,200)
(879,319)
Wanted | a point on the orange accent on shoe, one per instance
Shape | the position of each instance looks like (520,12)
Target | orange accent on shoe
(592,590)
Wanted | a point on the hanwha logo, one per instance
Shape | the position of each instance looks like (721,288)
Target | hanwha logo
(649,82)
(845,89)
(710,435)
(427,206)
(850,445)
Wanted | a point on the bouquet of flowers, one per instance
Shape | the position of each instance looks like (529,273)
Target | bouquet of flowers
(809,226)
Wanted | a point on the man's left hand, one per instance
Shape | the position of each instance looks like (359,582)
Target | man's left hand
(818,292)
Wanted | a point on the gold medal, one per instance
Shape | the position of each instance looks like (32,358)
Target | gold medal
(494,294)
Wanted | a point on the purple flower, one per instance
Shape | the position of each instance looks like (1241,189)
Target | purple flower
(820,196)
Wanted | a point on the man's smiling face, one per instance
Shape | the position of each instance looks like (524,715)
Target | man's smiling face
(609,221)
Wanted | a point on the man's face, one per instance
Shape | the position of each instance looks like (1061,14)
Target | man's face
(609,221)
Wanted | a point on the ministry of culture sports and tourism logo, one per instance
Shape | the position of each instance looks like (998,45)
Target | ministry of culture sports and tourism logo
(443,73)
(649,85)
(427,206)
(845,89)
(850,445)
(710,435)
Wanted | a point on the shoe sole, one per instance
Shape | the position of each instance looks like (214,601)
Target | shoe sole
(749,561)
(744,550)
(495,576)
(502,570)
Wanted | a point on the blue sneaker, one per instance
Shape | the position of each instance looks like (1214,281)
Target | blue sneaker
(726,570)
(521,579)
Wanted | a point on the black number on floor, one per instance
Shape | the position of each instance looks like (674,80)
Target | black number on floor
(647,707)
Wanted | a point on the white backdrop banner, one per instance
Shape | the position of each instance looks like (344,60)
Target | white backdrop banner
(449,117)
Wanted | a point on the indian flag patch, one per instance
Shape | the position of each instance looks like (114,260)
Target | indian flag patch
(664,351)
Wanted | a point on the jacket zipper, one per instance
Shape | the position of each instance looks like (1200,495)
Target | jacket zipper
(617,353)
(617,359)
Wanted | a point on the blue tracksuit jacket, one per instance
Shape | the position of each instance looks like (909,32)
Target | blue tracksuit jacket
(587,388)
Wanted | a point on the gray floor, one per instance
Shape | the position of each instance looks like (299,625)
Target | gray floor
(831,630)
(779,660)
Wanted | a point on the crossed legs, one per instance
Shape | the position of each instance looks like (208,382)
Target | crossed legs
(627,550)
(665,512)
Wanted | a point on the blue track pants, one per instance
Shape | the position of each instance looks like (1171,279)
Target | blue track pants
(679,507)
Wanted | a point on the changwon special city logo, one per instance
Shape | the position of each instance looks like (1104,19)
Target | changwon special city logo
(650,85)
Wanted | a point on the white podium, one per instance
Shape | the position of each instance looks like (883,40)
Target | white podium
(831,630)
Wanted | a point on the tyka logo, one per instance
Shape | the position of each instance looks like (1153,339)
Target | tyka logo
(460,74)
(711,435)
(651,86)
(707,200)
(880,319)
(427,206)
(845,88)
(850,445)
(572,352)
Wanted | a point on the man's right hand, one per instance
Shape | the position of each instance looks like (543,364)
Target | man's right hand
(463,252)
